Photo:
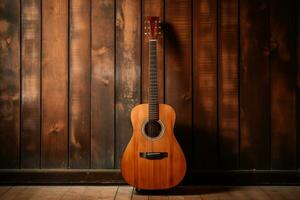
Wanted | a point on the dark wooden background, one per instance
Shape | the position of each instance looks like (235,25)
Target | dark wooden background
(71,71)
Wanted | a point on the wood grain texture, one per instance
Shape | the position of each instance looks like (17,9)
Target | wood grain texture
(80,84)
(298,83)
(153,174)
(128,48)
(284,192)
(153,8)
(10,83)
(228,83)
(124,193)
(225,66)
(128,193)
(35,192)
(90,192)
(283,82)
(13,193)
(3,190)
(178,68)
(54,84)
(205,84)
(103,78)
(254,85)
(251,192)
(31,87)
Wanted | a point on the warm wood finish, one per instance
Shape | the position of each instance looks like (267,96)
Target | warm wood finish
(153,174)
(283,82)
(55,84)
(124,193)
(298,83)
(4,189)
(9,83)
(254,85)
(205,104)
(90,192)
(128,193)
(80,84)
(178,69)
(228,82)
(103,83)
(35,192)
(128,47)
(230,69)
(31,87)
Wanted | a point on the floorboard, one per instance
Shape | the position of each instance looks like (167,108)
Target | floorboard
(90,193)
(159,197)
(4,189)
(124,193)
(282,192)
(128,193)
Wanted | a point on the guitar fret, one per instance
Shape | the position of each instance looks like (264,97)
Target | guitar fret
(153,86)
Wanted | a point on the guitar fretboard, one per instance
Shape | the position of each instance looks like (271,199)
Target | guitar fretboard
(153,88)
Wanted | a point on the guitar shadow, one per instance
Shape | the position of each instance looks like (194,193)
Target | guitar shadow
(202,147)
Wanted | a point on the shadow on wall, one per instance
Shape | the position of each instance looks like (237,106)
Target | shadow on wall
(201,146)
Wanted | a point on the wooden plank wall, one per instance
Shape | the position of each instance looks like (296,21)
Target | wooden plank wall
(72,70)
(255,102)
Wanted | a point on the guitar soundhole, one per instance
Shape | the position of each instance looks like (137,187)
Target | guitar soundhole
(153,128)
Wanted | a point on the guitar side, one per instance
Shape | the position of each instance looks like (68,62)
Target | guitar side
(151,174)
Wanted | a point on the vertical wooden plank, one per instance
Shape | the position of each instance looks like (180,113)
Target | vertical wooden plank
(283,84)
(102,155)
(153,8)
(10,83)
(54,84)
(178,69)
(228,77)
(128,48)
(298,84)
(205,84)
(80,84)
(31,69)
(254,85)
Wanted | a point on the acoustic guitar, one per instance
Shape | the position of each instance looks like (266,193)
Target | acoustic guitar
(153,158)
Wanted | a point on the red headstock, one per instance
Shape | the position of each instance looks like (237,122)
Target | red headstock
(152,27)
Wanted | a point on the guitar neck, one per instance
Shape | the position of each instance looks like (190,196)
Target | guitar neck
(153,87)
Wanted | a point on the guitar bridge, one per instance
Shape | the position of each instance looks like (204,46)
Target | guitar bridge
(153,155)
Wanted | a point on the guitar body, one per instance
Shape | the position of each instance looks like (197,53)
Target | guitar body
(153,162)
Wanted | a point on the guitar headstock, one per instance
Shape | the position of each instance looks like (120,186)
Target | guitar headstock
(152,27)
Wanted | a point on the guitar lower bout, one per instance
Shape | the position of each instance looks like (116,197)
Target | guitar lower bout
(153,158)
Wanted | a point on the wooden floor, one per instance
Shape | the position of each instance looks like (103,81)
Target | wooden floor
(126,192)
